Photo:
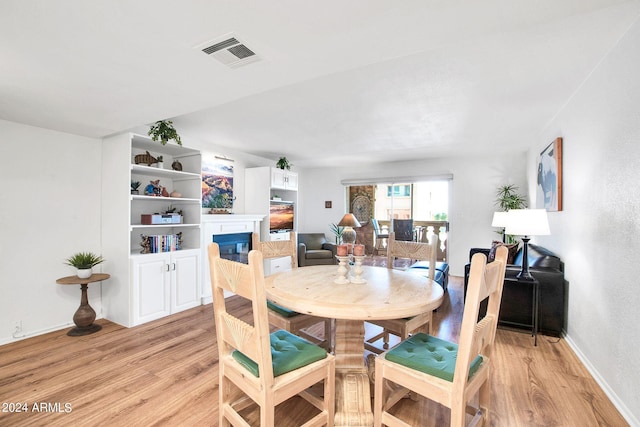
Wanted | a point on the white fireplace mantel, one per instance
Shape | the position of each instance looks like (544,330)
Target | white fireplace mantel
(228,224)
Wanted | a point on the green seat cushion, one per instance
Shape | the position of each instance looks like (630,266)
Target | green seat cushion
(288,353)
(430,355)
(284,311)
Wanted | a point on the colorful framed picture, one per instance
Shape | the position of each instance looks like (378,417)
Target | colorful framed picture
(549,193)
(217,183)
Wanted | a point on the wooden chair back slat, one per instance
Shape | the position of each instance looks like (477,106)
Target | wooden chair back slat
(278,248)
(413,250)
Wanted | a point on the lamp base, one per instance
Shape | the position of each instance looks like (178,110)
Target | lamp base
(525,275)
(348,235)
(524,272)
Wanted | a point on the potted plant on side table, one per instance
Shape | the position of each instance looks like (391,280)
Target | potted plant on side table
(84,262)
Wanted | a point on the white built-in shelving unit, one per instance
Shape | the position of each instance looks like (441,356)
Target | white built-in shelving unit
(148,286)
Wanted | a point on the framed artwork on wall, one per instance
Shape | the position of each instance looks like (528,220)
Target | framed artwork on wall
(217,183)
(549,192)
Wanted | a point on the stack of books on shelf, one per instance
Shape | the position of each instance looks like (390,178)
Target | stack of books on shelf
(164,243)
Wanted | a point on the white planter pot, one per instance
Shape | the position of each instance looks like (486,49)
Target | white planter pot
(83,273)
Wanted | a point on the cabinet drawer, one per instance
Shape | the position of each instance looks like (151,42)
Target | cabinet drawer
(278,236)
(280,264)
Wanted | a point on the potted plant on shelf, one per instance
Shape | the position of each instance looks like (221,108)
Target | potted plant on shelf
(160,163)
(134,187)
(84,262)
(164,131)
(283,163)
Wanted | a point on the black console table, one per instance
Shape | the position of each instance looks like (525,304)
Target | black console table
(535,303)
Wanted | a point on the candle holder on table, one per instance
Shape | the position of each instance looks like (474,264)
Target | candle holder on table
(342,270)
(357,270)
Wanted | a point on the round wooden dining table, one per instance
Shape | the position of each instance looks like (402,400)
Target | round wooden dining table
(386,294)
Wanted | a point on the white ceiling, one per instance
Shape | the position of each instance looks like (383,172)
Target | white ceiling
(386,80)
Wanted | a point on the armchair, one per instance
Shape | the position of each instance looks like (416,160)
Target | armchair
(313,249)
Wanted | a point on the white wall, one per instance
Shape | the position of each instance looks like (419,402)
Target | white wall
(50,210)
(475,180)
(597,233)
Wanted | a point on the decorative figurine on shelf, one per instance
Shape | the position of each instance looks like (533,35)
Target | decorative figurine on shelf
(145,158)
(145,244)
(176,165)
(153,189)
(164,192)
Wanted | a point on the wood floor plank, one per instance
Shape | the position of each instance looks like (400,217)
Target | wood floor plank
(165,373)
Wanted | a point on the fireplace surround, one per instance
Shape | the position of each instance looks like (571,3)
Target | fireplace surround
(225,225)
(234,246)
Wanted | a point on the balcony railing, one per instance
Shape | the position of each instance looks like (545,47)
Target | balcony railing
(422,232)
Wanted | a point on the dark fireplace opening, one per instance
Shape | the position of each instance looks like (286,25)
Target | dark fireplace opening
(234,247)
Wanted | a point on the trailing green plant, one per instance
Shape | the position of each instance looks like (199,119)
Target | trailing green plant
(508,198)
(337,231)
(164,131)
(283,163)
(84,260)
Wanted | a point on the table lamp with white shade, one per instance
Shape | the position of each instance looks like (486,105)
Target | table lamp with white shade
(500,220)
(526,223)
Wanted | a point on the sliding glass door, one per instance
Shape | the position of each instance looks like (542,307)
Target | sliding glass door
(421,201)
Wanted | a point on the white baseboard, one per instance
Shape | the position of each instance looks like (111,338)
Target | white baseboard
(619,404)
(25,335)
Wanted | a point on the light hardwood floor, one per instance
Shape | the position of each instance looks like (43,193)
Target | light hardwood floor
(165,373)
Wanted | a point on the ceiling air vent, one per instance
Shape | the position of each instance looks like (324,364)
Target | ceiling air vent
(230,51)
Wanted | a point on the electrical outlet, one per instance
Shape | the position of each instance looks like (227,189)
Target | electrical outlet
(17,326)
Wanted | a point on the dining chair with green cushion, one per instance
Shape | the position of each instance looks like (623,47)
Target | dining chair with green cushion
(256,367)
(451,374)
(282,317)
(403,328)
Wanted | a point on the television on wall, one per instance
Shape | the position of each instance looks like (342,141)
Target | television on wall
(281,216)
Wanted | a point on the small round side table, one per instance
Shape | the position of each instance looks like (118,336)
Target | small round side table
(85,315)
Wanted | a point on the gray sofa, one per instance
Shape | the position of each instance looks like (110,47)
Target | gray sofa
(314,249)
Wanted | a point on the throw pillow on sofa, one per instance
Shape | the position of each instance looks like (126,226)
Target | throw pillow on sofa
(513,250)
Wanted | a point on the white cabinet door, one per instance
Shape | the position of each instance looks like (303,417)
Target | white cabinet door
(151,287)
(284,180)
(291,180)
(185,280)
(278,178)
